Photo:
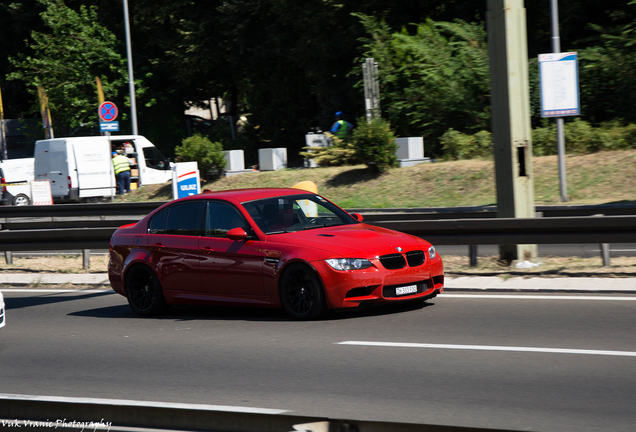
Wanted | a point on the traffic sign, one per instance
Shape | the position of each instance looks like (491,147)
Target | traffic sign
(559,82)
(109,126)
(107,111)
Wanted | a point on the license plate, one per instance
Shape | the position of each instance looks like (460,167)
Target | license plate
(406,290)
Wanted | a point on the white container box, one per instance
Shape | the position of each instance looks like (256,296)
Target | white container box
(272,159)
(235,160)
(315,140)
(410,148)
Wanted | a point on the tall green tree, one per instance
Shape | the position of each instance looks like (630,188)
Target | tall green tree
(65,58)
(434,79)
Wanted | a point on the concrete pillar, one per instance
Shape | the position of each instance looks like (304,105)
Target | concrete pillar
(512,134)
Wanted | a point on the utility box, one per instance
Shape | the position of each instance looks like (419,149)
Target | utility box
(315,140)
(235,160)
(410,151)
(272,159)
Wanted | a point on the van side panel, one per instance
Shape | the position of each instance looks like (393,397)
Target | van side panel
(93,163)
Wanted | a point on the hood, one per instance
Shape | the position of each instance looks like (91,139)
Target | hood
(359,240)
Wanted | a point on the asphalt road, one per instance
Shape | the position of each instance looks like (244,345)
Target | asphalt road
(520,362)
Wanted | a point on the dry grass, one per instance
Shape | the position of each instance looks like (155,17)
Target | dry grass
(454,266)
(55,264)
(592,179)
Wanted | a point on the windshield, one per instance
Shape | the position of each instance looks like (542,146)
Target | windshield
(296,213)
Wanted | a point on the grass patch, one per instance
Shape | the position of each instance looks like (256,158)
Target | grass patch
(597,178)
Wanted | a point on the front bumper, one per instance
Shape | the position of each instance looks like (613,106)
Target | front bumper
(346,289)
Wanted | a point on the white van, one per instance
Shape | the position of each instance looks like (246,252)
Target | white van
(15,178)
(81,168)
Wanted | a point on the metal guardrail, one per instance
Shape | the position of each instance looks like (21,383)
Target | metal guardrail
(468,212)
(121,415)
(605,229)
(90,226)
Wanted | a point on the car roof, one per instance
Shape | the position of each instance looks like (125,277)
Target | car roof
(245,195)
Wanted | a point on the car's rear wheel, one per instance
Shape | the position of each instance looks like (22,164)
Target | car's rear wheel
(144,292)
(301,293)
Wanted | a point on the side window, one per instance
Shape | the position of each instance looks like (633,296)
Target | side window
(221,218)
(154,159)
(185,219)
(158,223)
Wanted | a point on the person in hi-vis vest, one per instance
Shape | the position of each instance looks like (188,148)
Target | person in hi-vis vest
(341,128)
(121,164)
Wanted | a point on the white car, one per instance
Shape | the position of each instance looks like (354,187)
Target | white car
(1,310)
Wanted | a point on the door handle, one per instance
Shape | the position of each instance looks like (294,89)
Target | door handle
(206,249)
(157,246)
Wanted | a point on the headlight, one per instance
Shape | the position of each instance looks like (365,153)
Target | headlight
(432,253)
(349,263)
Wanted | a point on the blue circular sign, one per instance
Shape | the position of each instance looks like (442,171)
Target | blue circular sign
(107,111)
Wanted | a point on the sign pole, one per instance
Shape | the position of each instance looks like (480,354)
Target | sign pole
(556,47)
(131,80)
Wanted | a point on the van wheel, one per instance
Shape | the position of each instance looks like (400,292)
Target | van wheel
(21,200)
(92,200)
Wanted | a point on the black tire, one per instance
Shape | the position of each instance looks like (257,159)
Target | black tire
(21,200)
(301,293)
(144,292)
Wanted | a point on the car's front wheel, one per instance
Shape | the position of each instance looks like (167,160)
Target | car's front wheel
(144,292)
(21,200)
(301,293)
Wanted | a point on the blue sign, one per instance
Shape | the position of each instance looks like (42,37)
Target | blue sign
(107,111)
(112,126)
(185,180)
(188,186)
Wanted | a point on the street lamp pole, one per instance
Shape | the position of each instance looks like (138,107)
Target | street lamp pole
(131,79)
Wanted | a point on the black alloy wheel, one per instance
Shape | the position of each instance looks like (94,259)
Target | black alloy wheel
(301,293)
(144,292)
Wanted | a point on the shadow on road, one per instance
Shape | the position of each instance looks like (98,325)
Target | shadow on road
(182,313)
(50,298)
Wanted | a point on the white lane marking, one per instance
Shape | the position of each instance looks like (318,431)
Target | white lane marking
(536,297)
(125,402)
(490,348)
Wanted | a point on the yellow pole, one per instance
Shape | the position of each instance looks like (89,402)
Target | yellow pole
(100,92)
(46,113)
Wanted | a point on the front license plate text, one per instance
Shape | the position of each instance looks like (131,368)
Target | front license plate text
(406,290)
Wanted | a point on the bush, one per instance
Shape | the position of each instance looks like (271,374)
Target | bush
(457,145)
(208,154)
(338,154)
(581,137)
(374,144)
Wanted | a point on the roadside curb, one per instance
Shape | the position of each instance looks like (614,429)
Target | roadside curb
(461,283)
(541,284)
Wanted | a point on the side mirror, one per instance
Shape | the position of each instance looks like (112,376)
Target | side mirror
(237,234)
(357,216)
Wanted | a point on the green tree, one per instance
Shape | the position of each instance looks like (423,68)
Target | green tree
(434,79)
(65,60)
